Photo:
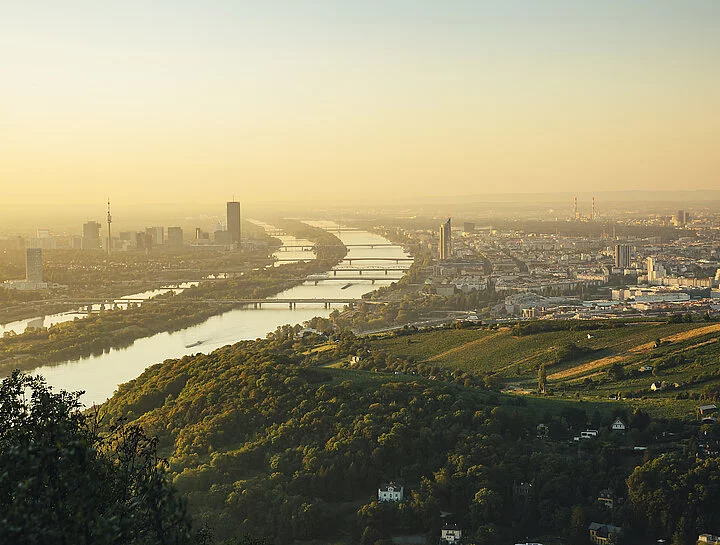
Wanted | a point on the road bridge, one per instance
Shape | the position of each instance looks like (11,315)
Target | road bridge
(372,279)
(351,259)
(256,303)
(312,247)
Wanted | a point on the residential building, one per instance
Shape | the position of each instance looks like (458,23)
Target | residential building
(606,498)
(390,492)
(600,534)
(450,533)
(618,425)
(622,256)
(655,271)
(704,411)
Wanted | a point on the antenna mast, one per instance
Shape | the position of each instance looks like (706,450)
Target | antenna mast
(109,221)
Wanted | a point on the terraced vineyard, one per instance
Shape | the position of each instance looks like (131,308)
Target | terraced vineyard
(596,361)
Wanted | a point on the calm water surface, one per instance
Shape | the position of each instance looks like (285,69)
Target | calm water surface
(20,326)
(100,375)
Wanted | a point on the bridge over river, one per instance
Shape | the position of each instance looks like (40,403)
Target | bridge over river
(351,259)
(86,305)
(312,247)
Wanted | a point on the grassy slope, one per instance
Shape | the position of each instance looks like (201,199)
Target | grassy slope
(516,359)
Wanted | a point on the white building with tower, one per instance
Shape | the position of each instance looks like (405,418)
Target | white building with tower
(391,492)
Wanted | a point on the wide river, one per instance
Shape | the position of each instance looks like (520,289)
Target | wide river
(99,376)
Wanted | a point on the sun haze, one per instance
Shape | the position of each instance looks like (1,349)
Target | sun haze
(340,100)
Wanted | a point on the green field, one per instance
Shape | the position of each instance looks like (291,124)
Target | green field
(687,359)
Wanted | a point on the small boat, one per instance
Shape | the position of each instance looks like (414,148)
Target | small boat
(196,343)
(346,286)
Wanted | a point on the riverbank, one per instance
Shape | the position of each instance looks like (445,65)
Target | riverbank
(119,328)
(96,276)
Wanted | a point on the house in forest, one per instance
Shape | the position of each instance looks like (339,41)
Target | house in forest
(450,533)
(522,490)
(618,425)
(601,534)
(706,411)
(542,431)
(606,498)
(391,492)
(657,386)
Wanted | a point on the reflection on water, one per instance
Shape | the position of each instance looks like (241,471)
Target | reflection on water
(100,375)
(37,322)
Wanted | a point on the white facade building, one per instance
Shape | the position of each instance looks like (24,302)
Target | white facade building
(391,492)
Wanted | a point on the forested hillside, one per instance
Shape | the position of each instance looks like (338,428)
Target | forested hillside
(264,438)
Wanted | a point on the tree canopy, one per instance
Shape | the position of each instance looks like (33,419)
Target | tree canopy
(64,482)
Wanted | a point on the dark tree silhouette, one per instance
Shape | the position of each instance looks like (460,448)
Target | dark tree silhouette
(64,482)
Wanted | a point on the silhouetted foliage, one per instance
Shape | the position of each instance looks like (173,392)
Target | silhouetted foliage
(64,482)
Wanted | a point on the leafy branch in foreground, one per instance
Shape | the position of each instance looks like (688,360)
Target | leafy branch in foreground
(64,482)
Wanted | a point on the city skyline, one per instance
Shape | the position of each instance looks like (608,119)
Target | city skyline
(313,103)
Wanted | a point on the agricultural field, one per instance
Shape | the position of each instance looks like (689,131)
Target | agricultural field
(682,359)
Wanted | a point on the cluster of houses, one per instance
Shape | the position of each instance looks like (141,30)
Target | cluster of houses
(450,533)
(618,426)
(599,533)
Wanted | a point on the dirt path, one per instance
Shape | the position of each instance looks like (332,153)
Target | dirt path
(462,347)
(691,334)
(525,360)
(585,367)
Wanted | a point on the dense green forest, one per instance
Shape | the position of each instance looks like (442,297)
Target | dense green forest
(270,438)
(64,481)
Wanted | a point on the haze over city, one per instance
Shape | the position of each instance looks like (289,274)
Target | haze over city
(174,102)
(383,272)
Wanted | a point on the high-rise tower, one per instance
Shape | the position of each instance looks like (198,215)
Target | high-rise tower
(33,265)
(445,240)
(91,235)
(622,256)
(233,221)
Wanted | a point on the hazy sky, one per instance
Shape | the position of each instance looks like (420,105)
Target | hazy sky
(198,100)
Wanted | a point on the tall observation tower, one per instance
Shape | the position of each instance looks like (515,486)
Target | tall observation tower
(109,221)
